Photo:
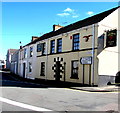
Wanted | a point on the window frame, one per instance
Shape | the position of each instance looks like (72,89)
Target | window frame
(76,42)
(73,75)
(52,47)
(39,47)
(30,67)
(42,71)
(59,45)
(31,51)
(25,53)
(43,48)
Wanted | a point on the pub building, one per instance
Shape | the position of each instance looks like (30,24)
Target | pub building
(85,52)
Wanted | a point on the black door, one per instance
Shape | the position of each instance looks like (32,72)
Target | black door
(57,78)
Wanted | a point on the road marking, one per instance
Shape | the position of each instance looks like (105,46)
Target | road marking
(19,104)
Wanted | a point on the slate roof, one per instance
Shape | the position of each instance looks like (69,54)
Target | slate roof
(82,23)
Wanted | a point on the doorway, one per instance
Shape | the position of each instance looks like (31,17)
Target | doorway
(24,66)
(58,68)
(57,72)
(87,74)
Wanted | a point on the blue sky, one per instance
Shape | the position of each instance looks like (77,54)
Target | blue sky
(22,20)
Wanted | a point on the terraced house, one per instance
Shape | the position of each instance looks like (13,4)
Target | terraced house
(85,52)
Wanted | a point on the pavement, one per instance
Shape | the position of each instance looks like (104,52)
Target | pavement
(111,88)
(107,88)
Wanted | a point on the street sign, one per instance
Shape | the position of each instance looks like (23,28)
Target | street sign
(86,60)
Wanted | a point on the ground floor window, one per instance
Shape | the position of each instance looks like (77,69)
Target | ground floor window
(42,69)
(30,67)
(74,69)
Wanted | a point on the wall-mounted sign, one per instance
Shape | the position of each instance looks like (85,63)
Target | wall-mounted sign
(111,38)
(87,37)
(86,60)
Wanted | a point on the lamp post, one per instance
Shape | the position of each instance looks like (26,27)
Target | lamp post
(20,45)
(20,59)
(93,52)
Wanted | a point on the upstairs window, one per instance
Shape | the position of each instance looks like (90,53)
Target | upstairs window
(31,51)
(25,53)
(76,40)
(59,45)
(39,47)
(43,48)
(52,46)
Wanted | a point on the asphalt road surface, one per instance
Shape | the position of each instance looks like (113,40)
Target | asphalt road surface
(23,96)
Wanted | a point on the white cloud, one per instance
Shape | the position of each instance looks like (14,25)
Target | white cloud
(63,14)
(90,13)
(75,16)
(68,10)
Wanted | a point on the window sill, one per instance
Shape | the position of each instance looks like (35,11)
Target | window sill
(74,77)
(58,52)
(51,53)
(43,55)
(42,75)
(76,50)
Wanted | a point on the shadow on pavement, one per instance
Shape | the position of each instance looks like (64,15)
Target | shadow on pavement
(12,80)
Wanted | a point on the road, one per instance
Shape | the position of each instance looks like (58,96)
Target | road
(23,96)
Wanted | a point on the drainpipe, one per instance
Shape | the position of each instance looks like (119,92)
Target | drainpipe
(93,52)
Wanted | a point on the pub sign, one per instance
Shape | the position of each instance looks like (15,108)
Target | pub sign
(111,38)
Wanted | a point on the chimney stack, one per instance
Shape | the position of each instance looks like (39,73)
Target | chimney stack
(20,47)
(34,38)
(56,27)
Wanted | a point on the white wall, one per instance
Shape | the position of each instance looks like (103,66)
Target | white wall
(108,58)
(119,39)
(32,59)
